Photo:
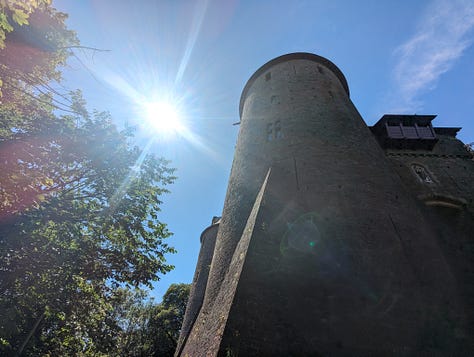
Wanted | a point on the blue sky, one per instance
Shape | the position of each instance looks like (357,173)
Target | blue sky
(398,57)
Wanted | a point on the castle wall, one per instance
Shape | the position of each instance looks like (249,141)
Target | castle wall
(446,200)
(340,257)
(341,268)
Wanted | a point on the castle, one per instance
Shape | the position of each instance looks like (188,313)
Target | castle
(336,239)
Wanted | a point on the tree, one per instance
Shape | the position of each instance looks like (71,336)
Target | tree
(79,203)
(167,318)
(147,328)
(79,216)
(16,12)
(34,41)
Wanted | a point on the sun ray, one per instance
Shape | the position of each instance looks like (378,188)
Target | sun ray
(199,144)
(122,189)
(196,28)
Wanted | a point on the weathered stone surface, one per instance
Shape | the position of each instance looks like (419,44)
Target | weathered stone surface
(198,287)
(330,244)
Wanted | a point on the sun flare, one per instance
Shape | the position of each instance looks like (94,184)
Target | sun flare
(163,116)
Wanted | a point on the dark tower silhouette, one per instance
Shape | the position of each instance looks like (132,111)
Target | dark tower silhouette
(336,238)
(198,287)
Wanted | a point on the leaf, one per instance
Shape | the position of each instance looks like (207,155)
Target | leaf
(4,24)
(20,17)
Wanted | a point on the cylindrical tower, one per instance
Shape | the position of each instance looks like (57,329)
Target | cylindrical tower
(281,108)
(198,287)
(341,256)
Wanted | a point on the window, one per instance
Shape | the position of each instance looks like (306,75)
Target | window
(274,131)
(398,130)
(278,134)
(425,131)
(269,131)
(394,130)
(422,174)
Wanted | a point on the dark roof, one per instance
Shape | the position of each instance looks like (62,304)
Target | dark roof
(401,131)
(447,131)
(405,119)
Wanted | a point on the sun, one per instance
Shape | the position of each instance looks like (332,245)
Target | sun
(164,117)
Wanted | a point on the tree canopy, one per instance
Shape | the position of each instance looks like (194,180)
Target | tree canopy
(79,202)
(147,328)
(34,42)
(79,216)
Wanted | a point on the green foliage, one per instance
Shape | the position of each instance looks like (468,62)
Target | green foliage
(15,11)
(79,207)
(167,318)
(34,41)
(144,328)
(79,213)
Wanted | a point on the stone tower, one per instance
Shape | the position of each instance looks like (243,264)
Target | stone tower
(336,239)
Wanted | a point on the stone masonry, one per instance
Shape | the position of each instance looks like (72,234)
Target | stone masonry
(336,239)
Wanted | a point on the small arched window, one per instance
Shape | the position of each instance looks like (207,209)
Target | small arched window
(422,174)
(274,131)
(278,133)
(269,131)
